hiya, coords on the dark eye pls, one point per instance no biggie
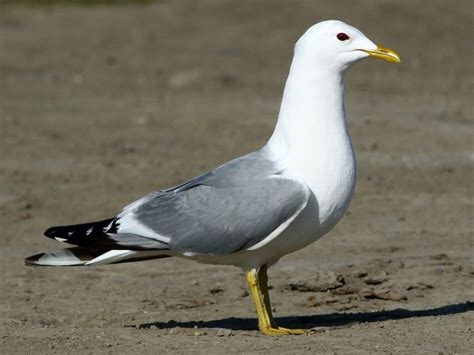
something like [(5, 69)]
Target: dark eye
[(342, 37)]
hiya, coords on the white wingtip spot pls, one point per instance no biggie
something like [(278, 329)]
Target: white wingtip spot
[(108, 226)]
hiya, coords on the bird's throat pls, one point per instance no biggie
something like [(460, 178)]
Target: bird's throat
[(312, 118)]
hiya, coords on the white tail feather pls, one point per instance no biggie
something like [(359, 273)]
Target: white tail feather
[(117, 256), (77, 256), (112, 256)]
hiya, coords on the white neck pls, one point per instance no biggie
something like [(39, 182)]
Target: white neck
[(312, 108), (311, 140)]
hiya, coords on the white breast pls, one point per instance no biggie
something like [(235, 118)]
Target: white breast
[(331, 176)]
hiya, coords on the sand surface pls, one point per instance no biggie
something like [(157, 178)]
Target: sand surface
[(101, 105)]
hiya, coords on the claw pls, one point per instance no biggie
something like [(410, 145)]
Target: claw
[(281, 331)]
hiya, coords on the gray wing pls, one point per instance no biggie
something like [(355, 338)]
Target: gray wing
[(220, 220), (230, 208)]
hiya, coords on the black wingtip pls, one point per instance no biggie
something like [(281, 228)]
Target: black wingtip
[(51, 232), (71, 233)]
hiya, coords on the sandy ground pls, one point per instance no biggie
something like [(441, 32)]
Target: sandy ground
[(100, 105)]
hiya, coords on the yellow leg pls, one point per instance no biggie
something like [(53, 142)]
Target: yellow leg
[(257, 282), (262, 279)]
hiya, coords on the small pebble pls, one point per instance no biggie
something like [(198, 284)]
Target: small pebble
[(224, 332)]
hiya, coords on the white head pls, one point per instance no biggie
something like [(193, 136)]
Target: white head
[(336, 45)]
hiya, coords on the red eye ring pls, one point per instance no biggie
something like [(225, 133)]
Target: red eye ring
[(342, 36)]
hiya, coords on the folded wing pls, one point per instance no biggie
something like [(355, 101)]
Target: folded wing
[(219, 220)]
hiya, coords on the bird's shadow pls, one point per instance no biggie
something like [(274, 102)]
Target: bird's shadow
[(323, 320)]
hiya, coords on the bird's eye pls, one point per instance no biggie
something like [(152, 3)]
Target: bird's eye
[(342, 36)]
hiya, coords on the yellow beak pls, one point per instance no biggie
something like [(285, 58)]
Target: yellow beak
[(384, 54)]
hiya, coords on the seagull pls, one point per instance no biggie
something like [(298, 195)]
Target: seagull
[(252, 210)]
